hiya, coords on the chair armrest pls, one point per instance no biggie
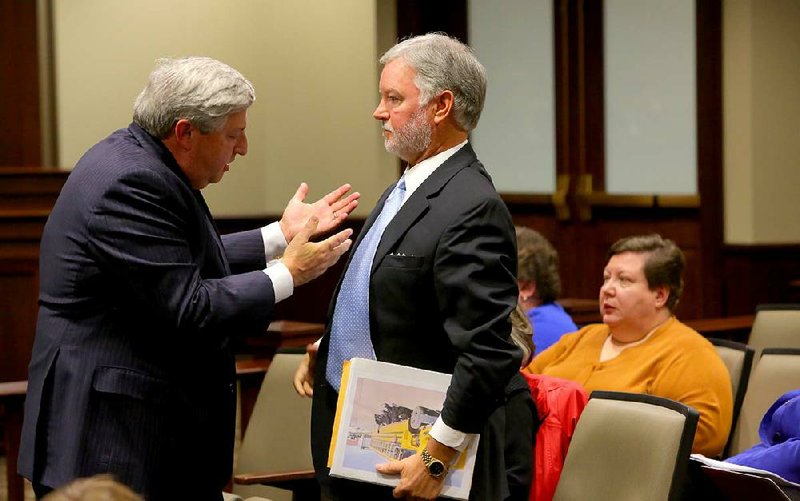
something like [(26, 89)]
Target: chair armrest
[(274, 479)]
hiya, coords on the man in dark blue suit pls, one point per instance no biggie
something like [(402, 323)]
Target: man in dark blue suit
[(431, 284), (132, 372)]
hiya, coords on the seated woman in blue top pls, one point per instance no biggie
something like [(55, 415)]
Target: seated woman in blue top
[(539, 287)]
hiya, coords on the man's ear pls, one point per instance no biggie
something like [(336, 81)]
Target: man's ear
[(443, 106), (183, 131), (661, 295)]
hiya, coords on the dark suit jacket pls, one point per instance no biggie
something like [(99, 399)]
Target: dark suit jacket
[(131, 370), (442, 288)]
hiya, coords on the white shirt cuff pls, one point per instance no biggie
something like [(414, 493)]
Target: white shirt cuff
[(448, 436), (274, 240), (282, 281)]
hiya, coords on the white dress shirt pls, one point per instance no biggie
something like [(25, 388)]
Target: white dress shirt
[(274, 244)]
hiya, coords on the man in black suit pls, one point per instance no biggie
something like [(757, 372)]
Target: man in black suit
[(436, 289), (132, 371)]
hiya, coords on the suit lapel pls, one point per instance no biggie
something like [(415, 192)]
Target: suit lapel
[(419, 202)]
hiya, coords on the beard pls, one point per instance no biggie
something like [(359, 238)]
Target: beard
[(411, 139)]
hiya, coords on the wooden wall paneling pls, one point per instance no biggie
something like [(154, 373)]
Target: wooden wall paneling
[(593, 90), (19, 281), (26, 197), (30, 188), (738, 286), (20, 233), (709, 151), (757, 274), (417, 17), (20, 142)]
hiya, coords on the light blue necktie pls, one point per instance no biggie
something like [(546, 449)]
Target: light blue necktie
[(350, 336)]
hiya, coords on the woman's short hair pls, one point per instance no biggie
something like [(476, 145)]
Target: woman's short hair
[(443, 63), (663, 266), (538, 263), (199, 89)]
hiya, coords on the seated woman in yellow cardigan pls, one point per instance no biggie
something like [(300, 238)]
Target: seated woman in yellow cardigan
[(641, 347)]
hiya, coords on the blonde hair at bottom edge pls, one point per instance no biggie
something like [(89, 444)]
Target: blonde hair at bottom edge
[(522, 334), (96, 488)]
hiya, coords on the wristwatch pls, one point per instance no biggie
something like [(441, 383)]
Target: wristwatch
[(436, 468)]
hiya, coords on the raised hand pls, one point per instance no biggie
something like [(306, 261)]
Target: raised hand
[(330, 210), (308, 260)]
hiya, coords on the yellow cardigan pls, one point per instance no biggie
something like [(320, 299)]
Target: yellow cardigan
[(675, 362)]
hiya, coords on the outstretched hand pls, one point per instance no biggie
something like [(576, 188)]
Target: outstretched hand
[(330, 210), (307, 260)]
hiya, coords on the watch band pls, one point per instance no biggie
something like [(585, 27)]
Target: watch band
[(436, 468)]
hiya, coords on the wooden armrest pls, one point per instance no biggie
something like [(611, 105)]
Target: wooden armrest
[(274, 479), (284, 333), (252, 366), (13, 389)]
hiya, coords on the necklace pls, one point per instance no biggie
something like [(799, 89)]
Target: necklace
[(617, 342)]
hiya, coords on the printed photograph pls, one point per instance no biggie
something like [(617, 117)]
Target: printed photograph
[(381, 430)]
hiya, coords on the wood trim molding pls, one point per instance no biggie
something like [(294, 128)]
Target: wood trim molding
[(30, 188)]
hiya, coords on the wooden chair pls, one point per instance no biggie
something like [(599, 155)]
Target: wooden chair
[(775, 326), (738, 358), (777, 372), (628, 446)]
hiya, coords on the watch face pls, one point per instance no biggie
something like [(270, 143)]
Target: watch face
[(436, 468)]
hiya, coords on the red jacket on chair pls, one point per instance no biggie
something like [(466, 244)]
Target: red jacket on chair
[(559, 403)]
